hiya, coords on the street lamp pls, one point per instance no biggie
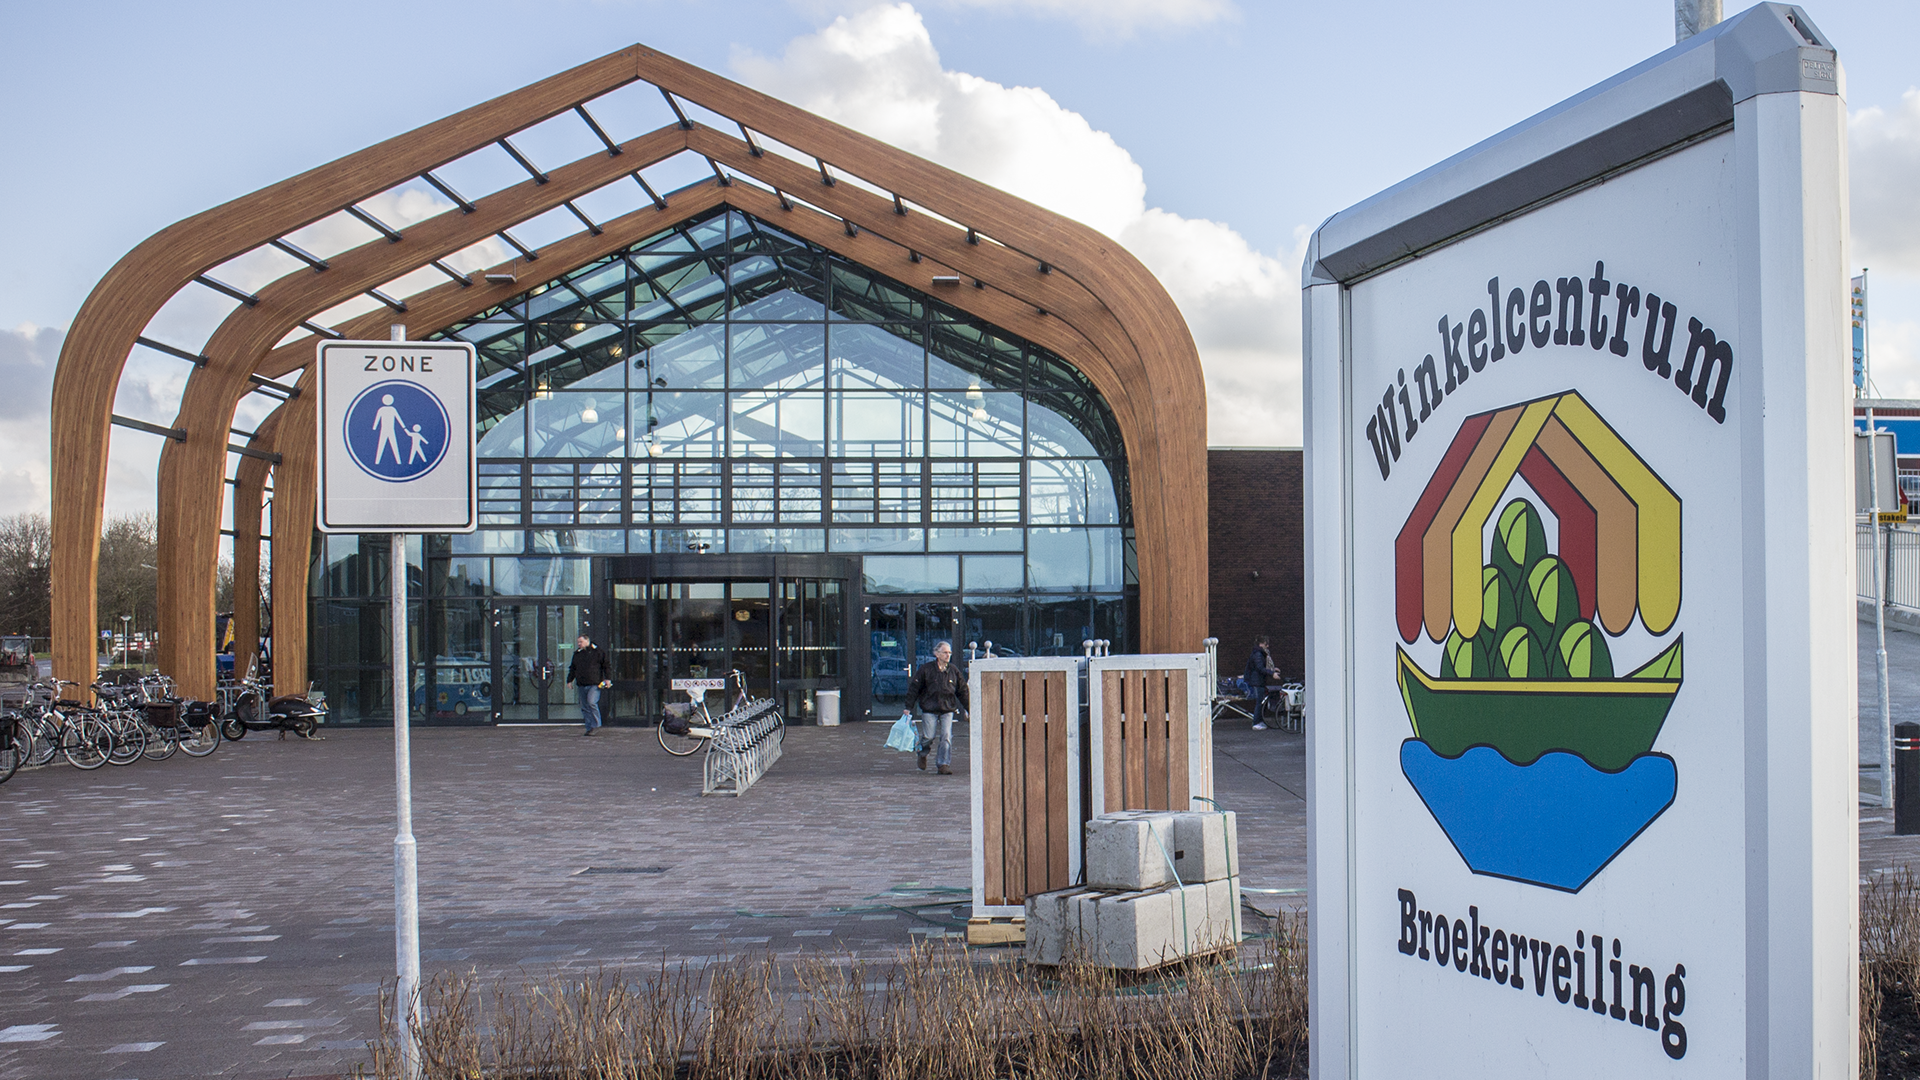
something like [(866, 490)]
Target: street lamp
[(126, 638)]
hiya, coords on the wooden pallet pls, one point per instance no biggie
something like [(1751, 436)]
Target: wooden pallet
[(1000, 931)]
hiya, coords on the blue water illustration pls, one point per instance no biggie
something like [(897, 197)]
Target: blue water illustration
[(1555, 822)]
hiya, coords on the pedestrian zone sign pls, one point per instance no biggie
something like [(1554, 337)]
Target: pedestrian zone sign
[(396, 437)]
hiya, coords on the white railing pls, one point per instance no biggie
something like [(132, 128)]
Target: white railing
[(1899, 568)]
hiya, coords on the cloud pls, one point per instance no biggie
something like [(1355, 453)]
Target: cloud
[(1885, 168), (1114, 17), (878, 72), (28, 354)]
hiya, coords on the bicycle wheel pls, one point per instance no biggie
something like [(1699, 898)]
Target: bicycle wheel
[(85, 743), (201, 740), (161, 742), (46, 740), (129, 741), (678, 745)]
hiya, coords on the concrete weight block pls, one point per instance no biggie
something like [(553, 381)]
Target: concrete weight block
[(1222, 925), (1131, 931), (1206, 847), (1053, 925), (1130, 850)]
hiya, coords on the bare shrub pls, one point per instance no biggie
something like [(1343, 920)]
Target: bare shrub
[(933, 1012)]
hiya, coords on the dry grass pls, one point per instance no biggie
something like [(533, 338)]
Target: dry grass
[(1889, 973), (929, 1014)]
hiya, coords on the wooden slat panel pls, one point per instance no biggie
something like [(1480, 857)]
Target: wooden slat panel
[(1039, 823), (1155, 750), (1179, 784), (1062, 831), (992, 805), (1136, 740), (1013, 762), (1112, 726)]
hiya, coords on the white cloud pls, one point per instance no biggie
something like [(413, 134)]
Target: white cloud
[(28, 354), (1117, 17), (1885, 167), (878, 72)]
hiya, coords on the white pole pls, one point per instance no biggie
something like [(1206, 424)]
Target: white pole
[(1879, 574), (406, 868)]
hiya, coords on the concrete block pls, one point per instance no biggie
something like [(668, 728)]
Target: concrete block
[(1222, 925), (1053, 926), (1205, 845), (1129, 850), (1134, 931)]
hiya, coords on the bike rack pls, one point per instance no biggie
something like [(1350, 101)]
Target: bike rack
[(745, 744)]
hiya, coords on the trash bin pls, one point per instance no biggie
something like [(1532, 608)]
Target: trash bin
[(827, 707)]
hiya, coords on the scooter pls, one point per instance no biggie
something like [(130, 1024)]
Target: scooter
[(293, 712)]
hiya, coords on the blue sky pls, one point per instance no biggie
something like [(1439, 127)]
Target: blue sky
[(1234, 127)]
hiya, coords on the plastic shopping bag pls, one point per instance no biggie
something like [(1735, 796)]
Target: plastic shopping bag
[(905, 734)]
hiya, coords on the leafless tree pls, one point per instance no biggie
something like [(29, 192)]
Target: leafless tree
[(26, 553)]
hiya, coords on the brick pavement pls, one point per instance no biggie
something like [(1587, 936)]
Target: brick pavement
[(232, 916)]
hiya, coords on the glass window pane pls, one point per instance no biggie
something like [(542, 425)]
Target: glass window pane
[(986, 539), (912, 573), (778, 423), (487, 541), (877, 492), (775, 541), (579, 425), (876, 540), (994, 573), (693, 360), (1059, 626), (503, 423), (877, 357), (995, 620), (1072, 425), (974, 423), (966, 354), (1071, 493), (882, 424), (680, 424), (460, 577), (1076, 559), (571, 541), (689, 541), (542, 577), (777, 356)]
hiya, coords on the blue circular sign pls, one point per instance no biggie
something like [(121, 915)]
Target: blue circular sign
[(396, 430)]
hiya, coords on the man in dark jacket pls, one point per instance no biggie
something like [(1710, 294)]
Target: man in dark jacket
[(588, 671), (937, 692), (1260, 672)]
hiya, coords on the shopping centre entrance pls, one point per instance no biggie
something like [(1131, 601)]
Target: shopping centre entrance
[(902, 632)]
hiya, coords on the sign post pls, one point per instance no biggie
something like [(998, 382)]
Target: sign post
[(1580, 610), (397, 454)]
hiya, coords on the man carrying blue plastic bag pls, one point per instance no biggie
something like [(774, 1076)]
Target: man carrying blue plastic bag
[(937, 694)]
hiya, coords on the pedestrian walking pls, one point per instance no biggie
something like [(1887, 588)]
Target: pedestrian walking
[(938, 692), (1260, 671), (588, 672)]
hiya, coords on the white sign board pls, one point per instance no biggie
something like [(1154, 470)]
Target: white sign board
[(699, 684), (1581, 637), (396, 437)]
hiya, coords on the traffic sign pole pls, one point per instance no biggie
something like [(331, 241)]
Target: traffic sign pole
[(406, 866)]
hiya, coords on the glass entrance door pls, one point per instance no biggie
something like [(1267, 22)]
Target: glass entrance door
[(904, 632), (533, 644)]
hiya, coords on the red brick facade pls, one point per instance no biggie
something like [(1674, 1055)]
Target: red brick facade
[(1256, 562)]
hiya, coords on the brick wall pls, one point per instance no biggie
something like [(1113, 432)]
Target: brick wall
[(1256, 578)]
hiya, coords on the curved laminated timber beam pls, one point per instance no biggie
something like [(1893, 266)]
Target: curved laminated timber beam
[(1050, 280), (133, 291), (249, 490)]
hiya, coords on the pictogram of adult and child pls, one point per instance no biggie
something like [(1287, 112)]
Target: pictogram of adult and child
[(396, 430)]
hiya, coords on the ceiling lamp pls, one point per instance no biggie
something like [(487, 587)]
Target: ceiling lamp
[(589, 415)]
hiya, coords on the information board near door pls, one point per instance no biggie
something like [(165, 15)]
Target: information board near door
[(1025, 779), (1152, 732)]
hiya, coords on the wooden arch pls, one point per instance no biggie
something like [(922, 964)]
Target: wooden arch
[(1042, 276)]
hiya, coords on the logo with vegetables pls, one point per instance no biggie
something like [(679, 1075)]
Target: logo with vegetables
[(1531, 749)]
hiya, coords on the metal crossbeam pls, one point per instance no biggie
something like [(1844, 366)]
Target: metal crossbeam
[(248, 451), (196, 359), (291, 392), (592, 226), (223, 288), (312, 327), (397, 305), (174, 433), (513, 152), (374, 223), (297, 252), (446, 189), (526, 252), (464, 279), (658, 202), (685, 124), (613, 148)]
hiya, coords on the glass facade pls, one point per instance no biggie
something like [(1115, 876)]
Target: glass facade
[(724, 389)]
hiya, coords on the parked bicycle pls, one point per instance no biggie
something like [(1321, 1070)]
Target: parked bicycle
[(688, 725)]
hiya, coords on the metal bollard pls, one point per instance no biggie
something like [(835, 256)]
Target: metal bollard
[(1906, 779)]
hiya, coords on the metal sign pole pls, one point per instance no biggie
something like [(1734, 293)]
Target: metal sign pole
[(406, 869)]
